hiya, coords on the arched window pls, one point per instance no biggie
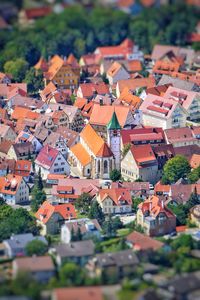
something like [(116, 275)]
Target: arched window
[(105, 166), (98, 166)]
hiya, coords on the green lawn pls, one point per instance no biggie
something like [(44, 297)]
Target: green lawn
[(80, 216), (123, 232)]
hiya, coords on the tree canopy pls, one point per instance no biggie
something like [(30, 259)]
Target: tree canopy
[(175, 168), (36, 247), (15, 221)]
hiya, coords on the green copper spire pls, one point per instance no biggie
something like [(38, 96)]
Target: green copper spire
[(114, 123)]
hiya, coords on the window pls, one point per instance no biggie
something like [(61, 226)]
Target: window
[(105, 165), (99, 167)]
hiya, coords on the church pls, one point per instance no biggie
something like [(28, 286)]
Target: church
[(95, 157)]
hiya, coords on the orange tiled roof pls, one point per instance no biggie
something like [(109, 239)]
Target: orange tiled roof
[(133, 84), (114, 69), (129, 98), (134, 66), (165, 67), (155, 206), (55, 65), (92, 139), (82, 155), (104, 151), (161, 187), (44, 213), (116, 194), (41, 65), (20, 113), (9, 185), (80, 102), (79, 293), (101, 115)]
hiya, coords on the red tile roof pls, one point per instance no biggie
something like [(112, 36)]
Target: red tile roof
[(47, 156), (78, 293), (116, 194), (142, 242), (155, 206), (45, 212), (23, 167), (38, 12), (143, 154)]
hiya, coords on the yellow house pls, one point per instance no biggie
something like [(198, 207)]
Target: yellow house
[(64, 73)]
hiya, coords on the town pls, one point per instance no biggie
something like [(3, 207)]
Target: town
[(100, 150)]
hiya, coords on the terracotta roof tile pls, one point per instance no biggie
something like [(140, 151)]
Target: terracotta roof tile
[(78, 293), (92, 139), (101, 115), (45, 212), (82, 155), (143, 242)]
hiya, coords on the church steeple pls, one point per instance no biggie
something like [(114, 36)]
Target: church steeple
[(114, 139), (114, 123)]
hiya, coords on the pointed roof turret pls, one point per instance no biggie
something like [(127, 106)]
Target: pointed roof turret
[(114, 123)]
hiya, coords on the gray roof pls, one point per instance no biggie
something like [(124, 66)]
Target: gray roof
[(21, 240), (76, 249), (121, 258), (176, 82), (184, 284)]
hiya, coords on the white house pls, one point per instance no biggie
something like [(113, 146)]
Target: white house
[(50, 160), (13, 189), (140, 163), (161, 112), (115, 200), (88, 228)]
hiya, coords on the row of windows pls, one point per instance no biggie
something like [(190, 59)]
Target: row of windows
[(127, 172), (59, 170)]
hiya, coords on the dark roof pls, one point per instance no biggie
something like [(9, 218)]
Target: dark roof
[(76, 249), (121, 258), (184, 284), (187, 151), (23, 148), (21, 240)]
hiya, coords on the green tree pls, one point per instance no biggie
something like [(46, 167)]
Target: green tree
[(96, 212), (34, 80), (40, 185), (136, 202), (117, 223), (71, 274), (83, 203), (180, 213), (115, 175), (175, 168), (36, 247), (17, 68), (38, 197), (108, 228), (194, 175), (15, 221)]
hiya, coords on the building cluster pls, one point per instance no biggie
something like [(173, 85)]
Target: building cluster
[(95, 117)]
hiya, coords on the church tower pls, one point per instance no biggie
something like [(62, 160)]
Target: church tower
[(114, 139)]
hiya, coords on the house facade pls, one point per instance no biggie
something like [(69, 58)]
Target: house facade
[(50, 160), (115, 200), (14, 190), (140, 163), (155, 218)]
